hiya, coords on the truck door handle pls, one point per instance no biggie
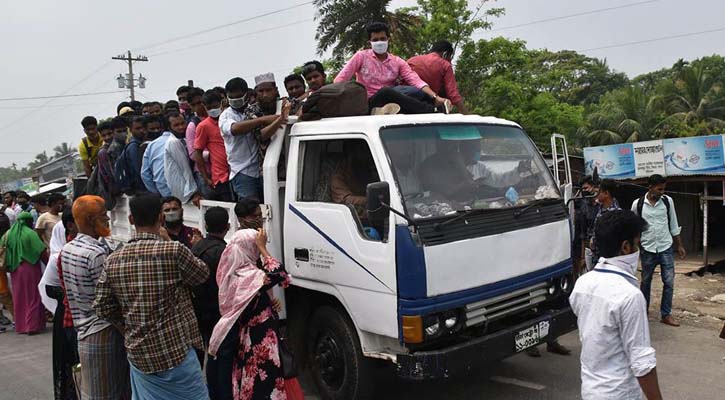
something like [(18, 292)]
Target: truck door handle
[(302, 254)]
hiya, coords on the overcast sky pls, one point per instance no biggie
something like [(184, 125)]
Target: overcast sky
[(51, 48)]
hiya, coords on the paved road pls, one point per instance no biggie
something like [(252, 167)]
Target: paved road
[(690, 366)]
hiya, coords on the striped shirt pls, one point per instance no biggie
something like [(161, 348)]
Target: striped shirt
[(81, 264), (147, 286)]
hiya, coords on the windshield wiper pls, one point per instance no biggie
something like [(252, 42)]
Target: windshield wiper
[(529, 206), (463, 214)]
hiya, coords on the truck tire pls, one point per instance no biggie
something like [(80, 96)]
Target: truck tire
[(336, 363)]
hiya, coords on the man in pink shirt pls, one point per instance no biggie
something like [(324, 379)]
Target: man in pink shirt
[(435, 68), (380, 72)]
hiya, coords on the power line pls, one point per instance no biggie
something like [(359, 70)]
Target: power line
[(580, 14), (211, 42), (60, 96), (52, 106), (659, 39), (188, 35)]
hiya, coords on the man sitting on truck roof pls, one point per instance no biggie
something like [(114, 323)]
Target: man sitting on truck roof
[(314, 74), (379, 71), (241, 146), (435, 68)]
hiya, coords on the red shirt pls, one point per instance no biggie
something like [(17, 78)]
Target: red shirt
[(209, 137), (437, 72)]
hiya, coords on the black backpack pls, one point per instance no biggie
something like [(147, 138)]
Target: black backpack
[(4, 221), (344, 99), (640, 204)]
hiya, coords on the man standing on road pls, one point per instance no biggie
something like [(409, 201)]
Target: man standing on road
[(101, 351), (662, 232), (617, 359), (146, 286)]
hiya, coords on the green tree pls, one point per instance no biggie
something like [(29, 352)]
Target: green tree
[(696, 98), (342, 24), (63, 149), (40, 159)]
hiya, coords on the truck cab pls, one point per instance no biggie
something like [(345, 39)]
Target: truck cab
[(433, 242)]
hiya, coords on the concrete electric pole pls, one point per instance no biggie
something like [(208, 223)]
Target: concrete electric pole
[(129, 81)]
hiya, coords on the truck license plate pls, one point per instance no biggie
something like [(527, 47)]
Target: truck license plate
[(531, 336)]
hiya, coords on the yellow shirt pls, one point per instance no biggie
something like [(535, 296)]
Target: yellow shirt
[(87, 146)]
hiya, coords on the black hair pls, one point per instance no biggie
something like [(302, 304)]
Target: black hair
[(171, 104), (169, 115), (210, 97), (615, 227), (23, 194), (220, 90), (12, 193), (608, 185), (311, 66), (183, 89), (67, 216), (149, 119), (121, 105), (442, 46), (194, 92), (40, 200), (105, 126), (294, 77), (137, 119), (656, 179), (54, 198), (147, 104), (157, 103), (136, 105), (216, 219), (586, 179), (245, 207), (119, 122), (171, 199), (236, 85), (145, 209), (88, 121), (377, 27)]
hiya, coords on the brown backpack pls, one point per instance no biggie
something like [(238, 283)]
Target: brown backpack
[(344, 99)]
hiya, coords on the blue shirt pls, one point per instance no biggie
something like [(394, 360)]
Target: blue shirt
[(152, 168), (658, 236)]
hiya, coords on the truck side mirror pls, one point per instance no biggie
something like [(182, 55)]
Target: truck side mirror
[(378, 207)]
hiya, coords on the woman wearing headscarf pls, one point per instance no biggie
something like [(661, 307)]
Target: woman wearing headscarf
[(23, 255), (244, 299)]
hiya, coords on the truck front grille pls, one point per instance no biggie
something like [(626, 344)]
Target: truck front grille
[(506, 304)]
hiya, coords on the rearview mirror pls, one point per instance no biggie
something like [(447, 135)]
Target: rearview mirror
[(378, 196)]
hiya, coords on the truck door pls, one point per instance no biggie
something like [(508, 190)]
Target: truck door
[(562, 169), (329, 244)]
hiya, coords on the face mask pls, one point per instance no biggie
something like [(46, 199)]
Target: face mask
[(627, 262), (214, 112), (238, 104), (379, 47), (172, 216), (24, 206)]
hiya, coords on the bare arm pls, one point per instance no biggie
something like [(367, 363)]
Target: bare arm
[(248, 125), (199, 160), (650, 385), (87, 168), (269, 130)]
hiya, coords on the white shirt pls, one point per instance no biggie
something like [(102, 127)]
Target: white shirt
[(11, 215), (177, 170), (613, 328), (50, 275), (242, 150), (658, 236)]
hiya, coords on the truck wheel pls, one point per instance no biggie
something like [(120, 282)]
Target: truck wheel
[(336, 362)]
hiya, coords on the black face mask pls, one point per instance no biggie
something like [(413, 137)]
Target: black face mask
[(25, 206)]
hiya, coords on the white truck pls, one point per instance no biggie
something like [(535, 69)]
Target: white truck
[(455, 252)]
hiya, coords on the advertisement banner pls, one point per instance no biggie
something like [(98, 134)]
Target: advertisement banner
[(694, 155), (615, 161), (649, 158)]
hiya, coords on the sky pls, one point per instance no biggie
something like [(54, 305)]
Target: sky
[(51, 48)]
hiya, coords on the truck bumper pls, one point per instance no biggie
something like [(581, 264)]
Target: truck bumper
[(486, 349)]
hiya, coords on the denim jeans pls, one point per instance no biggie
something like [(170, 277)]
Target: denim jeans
[(666, 261), (404, 96), (414, 92), (201, 185), (247, 186)]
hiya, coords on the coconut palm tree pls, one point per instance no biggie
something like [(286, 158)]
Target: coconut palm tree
[(696, 97), (63, 149), (342, 24), (40, 159)]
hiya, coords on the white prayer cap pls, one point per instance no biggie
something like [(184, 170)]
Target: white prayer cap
[(264, 78)]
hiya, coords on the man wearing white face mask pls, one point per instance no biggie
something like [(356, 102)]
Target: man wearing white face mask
[(617, 359), (379, 71), (209, 139), (174, 223)]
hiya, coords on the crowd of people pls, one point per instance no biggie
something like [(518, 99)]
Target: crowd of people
[(211, 144)]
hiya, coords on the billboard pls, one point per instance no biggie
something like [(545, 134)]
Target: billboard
[(615, 161), (694, 155), (649, 158)]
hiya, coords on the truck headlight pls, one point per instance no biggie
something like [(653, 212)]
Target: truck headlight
[(451, 321), (565, 283), (432, 326)]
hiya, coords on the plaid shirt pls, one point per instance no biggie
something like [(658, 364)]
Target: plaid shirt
[(147, 286)]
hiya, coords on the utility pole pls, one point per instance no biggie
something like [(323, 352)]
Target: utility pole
[(128, 82)]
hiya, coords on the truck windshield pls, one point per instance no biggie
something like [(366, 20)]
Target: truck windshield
[(443, 169)]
